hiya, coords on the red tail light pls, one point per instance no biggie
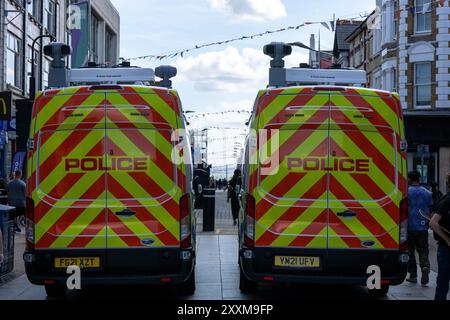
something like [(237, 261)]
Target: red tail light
[(30, 225), (249, 225), (185, 223), (404, 225)]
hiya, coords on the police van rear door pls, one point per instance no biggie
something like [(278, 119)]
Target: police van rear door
[(144, 185), (365, 171)]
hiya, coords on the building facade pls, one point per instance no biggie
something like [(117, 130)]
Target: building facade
[(414, 61), (423, 62), (23, 22)]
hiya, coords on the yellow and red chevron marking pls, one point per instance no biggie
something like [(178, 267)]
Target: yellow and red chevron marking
[(301, 208), (70, 123)]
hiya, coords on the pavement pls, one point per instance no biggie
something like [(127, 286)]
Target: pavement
[(217, 276)]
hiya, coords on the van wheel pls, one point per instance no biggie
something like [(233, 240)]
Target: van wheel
[(379, 293), (187, 288), (55, 291), (246, 285)]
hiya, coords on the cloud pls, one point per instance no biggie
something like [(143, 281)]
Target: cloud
[(230, 70), (253, 10)]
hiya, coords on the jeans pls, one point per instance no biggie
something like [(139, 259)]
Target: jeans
[(418, 240), (443, 278)]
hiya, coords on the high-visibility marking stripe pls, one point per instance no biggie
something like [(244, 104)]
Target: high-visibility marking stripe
[(343, 232), (340, 192), (288, 183), (305, 144), (76, 226), (71, 189), (316, 120), (265, 100), (90, 232), (315, 228), (148, 184), (368, 148), (65, 219), (122, 231), (276, 213), (377, 193), (161, 103), (53, 170), (127, 141), (167, 238), (300, 224)]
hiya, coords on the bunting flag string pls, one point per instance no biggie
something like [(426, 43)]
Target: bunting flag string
[(330, 25), (206, 114)]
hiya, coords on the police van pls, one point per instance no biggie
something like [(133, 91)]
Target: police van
[(324, 181), (109, 188)]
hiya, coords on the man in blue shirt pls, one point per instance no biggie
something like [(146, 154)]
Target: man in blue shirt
[(419, 201)]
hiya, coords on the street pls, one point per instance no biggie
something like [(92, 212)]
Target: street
[(217, 276)]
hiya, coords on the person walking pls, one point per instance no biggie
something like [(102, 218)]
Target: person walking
[(17, 196), (419, 202), (234, 189), (437, 194), (440, 224)]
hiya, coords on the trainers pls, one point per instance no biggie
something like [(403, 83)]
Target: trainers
[(425, 276), (412, 280)]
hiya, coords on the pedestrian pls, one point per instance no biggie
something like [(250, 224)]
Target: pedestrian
[(437, 194), (17, 197), (440, 223), (420, 201), (234, 189)]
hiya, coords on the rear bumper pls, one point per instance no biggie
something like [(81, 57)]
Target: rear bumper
[(121, 267), (337, 267)]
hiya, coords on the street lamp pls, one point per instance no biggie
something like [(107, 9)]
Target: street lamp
[(33, 61)]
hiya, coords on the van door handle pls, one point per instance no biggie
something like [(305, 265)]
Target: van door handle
[(347, 214), (126, 213)]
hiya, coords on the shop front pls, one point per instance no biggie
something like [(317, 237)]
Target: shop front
[(428, 135)]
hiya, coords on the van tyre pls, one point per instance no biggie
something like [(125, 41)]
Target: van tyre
[(187, 288), (380, 292), (247, 286), (55, 291)]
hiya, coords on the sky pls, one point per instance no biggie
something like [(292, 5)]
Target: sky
[(225, 77)]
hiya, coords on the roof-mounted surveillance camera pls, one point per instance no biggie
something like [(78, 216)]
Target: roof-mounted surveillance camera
[(58, 74), (57, 51), (166, 73), (277, 51)]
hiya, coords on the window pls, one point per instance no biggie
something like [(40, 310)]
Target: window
[(34, 8), (423, 16), (394, 80), (109, 47), (422, 84), (50, 16), (29, 62), (13, 65), (396, 20), (94, 38)]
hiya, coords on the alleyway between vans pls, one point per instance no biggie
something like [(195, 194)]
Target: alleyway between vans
[(217, 275)]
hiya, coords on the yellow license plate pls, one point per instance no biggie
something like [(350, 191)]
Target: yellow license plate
[(82, 263), (298, 262)]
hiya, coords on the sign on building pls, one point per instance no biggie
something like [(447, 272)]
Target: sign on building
[(5, 105)]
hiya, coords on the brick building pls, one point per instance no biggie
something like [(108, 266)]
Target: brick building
[(423, 64), (408, 52)]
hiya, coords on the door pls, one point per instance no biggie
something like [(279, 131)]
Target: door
[(291, 195), (365, 169), (67, 178), (143, 189)]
